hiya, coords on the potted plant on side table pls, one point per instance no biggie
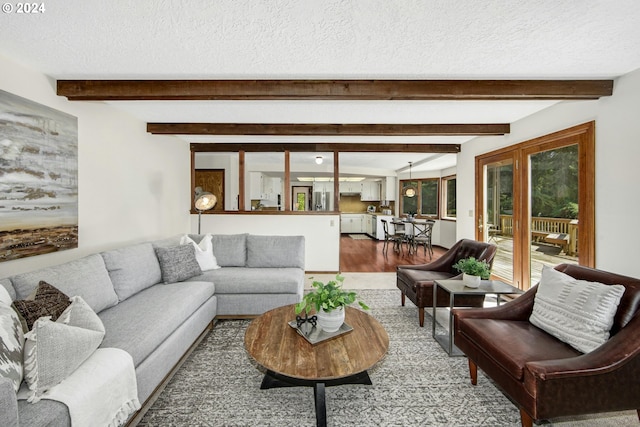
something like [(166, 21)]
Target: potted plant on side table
[(472, 271), (329, 301)]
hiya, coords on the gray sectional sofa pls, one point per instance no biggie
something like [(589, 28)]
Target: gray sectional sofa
[(159, 323)]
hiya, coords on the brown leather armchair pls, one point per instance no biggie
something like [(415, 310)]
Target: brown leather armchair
[(416, 281), (545, 377)]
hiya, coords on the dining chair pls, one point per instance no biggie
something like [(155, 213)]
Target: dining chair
[(389, 237), (422, 236)]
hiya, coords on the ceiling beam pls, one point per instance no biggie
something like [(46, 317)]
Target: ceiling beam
[(423, 90), (327, 129), (324, 148)]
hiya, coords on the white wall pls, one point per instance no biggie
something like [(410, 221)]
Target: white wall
[(617, 171), (321, 232), (132, 186)]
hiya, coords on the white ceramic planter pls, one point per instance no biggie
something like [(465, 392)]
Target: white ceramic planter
[(332, 320), (470, 281)]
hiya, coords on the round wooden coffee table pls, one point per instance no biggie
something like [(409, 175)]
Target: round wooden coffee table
[(290, 360)]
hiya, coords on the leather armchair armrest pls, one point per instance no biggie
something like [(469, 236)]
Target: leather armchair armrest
[(518, 309), (610, 356)]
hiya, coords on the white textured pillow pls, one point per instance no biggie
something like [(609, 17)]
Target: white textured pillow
[(5, 298), (204, 252), (577, 312), (54, 350), (11, 345)]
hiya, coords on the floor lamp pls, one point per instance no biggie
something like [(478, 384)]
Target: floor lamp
[(203, 202)]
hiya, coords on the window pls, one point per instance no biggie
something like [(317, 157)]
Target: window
[(425, 202), (449, 197)]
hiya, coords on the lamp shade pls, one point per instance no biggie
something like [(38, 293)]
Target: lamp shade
[(205, 201)]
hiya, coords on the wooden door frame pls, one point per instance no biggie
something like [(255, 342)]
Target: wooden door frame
[(584, 136)]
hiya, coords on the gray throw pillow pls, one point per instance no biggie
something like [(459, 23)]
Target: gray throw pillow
[(11, 345), (178, 263), (577, 312), (54, 350)]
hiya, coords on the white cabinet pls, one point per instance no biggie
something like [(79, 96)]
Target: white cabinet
[(255, 185), (370, 191), (264, 187), (350, 187), (352, 223), (389, 188), (369, 225)]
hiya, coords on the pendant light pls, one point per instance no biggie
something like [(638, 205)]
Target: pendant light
[(410, 190)]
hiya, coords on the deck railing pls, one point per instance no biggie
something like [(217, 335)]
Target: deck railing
[(545, 228)]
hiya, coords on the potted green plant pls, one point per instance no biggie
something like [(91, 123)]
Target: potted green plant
[(473, 270), (328, 300)]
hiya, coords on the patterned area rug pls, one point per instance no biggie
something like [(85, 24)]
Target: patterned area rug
[(416, 384)]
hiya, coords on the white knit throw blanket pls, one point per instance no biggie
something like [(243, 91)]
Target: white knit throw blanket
[(102, 392)]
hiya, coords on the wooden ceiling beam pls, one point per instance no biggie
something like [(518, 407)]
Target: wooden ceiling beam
[(422, 90), (327, 129), (324, 148)]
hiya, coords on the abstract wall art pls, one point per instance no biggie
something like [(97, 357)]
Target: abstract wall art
[(38, 179)]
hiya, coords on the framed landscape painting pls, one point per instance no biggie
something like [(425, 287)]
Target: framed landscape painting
[(38, 179)]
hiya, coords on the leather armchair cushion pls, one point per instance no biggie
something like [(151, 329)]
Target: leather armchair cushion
[(511, 344), (412, 277)]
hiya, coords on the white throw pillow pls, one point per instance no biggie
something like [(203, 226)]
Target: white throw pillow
[(204, 252), (11, 345), (577, 312), (54, 350), (5, 298)]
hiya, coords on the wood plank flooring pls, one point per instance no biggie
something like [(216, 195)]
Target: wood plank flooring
[(366, 256)]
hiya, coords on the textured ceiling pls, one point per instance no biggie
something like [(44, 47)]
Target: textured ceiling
[(328, 39)]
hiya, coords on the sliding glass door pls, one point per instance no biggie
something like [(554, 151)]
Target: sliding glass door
[(535, 201)]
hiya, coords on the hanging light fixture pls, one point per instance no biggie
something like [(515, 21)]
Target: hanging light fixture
[(410, 190), (319, 160)]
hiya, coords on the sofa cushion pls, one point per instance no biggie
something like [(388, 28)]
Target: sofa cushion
[(11, 345), (141, 323), (204, 252), (245, 280), (54, 350), (47, 301), (132, 269), (87, 277), (514, 343), (577, 312), (275, 251), (230, 249), (178, 263)]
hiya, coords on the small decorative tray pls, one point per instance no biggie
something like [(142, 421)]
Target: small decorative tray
[(317, 335)]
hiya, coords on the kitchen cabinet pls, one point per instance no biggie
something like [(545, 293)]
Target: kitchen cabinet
[(350, 187), (389, 188), (369, 225), (370, 191), (263, 187), (352, 223)]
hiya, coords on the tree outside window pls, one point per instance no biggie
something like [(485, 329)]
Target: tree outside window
[(425, 202)]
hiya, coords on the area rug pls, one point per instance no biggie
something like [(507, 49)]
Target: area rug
[(359, 237), (416, 384)]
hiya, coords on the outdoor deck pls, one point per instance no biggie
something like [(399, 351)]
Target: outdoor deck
[(542, 253)]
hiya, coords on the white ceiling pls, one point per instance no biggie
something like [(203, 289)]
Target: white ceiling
[(329, 39)]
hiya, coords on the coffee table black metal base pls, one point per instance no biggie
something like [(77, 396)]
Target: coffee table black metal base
[(274, 380)]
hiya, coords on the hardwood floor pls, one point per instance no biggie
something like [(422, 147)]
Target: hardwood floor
[(366, 256)]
